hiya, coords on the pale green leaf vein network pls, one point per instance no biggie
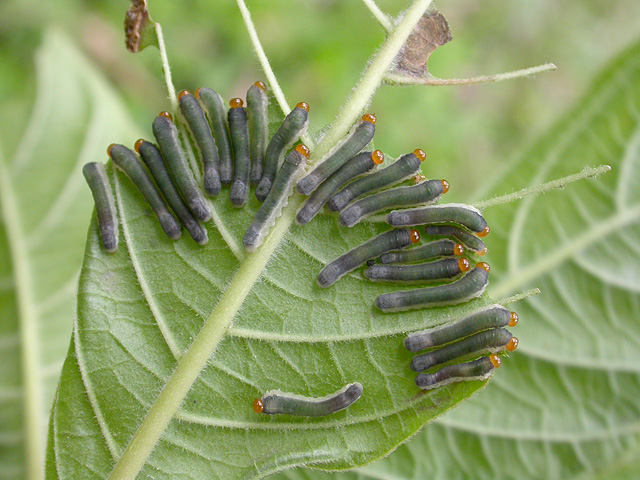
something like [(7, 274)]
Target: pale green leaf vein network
[(93, 401), (32, 388), (214, 329), (517, 235), (67, 194), (144, 286)]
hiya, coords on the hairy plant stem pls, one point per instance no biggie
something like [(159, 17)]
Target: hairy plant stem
[(166, 69), (403, 80), (558, 184), (191, 364), (383, 18)]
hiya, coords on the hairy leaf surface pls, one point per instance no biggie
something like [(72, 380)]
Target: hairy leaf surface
[(567, 405), (139, 310)]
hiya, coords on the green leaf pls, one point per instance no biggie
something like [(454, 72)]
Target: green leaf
[(567, 405), (146, 314), (44, 204)]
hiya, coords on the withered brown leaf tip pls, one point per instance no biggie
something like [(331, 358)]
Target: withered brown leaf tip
[(134, 22), (431, 32)]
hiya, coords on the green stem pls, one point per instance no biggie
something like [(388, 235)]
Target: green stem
[(266, 66), (166, 69), (32, 394), (214, 329), (382, 17), (520, 296), (558, 184), (399, 80), (371, 78)]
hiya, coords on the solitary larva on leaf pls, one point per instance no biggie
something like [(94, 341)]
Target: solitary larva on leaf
[(276, 402)]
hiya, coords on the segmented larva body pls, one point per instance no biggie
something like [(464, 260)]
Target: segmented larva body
[(420, 194), (152, 158), (404, 167), (168, 140), (359, 138), (479, 369), (239, 130), (292, 128), (472, 285), (201, 132), (257, 106), (98, 181), (487, 341), (277, 199), (438, 270), (391, 240), (469, 240), (276, 402), (461, 214), (361, 163), (439, 248), (492, 316), (129, 163), (216, 112)]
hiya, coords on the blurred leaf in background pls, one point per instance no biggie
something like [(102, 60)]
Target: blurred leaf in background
[(466, 131)]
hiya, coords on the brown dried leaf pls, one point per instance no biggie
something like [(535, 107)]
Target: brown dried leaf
[(138, 27), (431, 32)]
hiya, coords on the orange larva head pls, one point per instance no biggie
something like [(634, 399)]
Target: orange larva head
[(260, 85), (138, 145), (414, 236), (464, 265), (458, 249), (377, 157), (183, 93), (513, 344), (513, 319), (166, 115), (303, 150), (495, 360), (445, 186), (483, 265), (420, 154), (303, 105), (484, 232), (369, 117), (258, 406), (198, 92), (109, 149), (236, 103)]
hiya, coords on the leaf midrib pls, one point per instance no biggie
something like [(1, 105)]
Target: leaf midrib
[(28, 324)]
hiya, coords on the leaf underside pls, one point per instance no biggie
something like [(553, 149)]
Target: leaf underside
[(567, 405), (139, 309)]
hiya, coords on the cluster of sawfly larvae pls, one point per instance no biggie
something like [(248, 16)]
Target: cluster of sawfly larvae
[(235, 149)]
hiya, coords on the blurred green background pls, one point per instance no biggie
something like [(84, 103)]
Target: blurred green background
[(318, 49)]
